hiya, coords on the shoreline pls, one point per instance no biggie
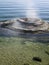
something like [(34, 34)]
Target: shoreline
[(26, 25), (15, 28)]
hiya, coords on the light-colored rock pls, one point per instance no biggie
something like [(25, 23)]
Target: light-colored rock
[(22, 23)]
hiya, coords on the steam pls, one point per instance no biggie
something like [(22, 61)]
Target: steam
[(31, 9)]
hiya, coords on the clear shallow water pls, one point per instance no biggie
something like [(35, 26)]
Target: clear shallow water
[(11, 9)]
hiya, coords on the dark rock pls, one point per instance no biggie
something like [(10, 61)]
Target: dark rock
[(6, 24), (47, 52), (37, 59)]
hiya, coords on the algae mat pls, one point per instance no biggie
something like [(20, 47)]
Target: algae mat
[(20, 51)]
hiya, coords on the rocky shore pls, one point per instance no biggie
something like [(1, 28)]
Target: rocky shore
[(27, 24), (36, 29)]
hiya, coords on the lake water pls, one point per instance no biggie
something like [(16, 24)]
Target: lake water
[(10, 9)]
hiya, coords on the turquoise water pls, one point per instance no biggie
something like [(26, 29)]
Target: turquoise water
[(18, 8)]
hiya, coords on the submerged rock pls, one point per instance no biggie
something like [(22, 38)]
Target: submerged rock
[(37, 59), (47, 52)]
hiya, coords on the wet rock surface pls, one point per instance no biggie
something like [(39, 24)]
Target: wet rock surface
[(25, 27), (26, 24)]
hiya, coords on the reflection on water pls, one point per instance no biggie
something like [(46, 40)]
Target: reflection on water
[(31, 9), (17, 8)]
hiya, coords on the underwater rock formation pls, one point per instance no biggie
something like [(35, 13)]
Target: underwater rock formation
[(37, 59)]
